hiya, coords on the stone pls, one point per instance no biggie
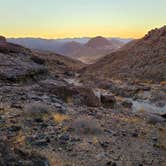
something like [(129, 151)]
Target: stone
[(41, 143), (69, 73), (154, 139), (15, 128), (134, 134), (108, 100), (154, 119), (127, 104), (110, 163), (38, 120), (64, 137), (104, 144), (163, 116)]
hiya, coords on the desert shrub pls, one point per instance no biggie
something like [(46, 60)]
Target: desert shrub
[(86, 126), (36, 111)]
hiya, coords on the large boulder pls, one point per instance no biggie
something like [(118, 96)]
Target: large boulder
[(71, 93), (108, 100)]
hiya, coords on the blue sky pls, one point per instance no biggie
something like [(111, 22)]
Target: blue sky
[(76, 18)]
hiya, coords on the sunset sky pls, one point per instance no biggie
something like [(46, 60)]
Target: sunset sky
[(78, 18)]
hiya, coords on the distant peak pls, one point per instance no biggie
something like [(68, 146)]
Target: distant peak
[(98, 41)]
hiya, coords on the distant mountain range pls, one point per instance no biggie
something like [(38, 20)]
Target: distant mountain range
[(84, 49)]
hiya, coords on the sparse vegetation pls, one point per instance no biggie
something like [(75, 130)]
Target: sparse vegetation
[(86, 126), (37, 111), (58, 118)]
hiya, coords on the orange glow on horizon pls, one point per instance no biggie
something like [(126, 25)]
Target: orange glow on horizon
[(77, 34)]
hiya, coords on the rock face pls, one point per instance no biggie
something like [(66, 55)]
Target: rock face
[(143, 59)]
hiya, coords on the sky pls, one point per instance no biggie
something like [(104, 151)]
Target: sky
[(80, 18)]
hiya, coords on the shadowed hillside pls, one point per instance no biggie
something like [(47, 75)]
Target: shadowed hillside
[(143, 59)]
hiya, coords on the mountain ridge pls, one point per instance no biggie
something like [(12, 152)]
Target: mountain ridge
[(140, 59)]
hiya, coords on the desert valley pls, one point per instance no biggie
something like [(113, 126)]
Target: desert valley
[(88, 102)]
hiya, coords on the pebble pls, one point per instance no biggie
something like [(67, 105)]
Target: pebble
[(15, 128), (104, 144)]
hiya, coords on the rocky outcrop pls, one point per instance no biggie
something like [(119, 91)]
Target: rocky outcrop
[(70, 93), (108, 100)]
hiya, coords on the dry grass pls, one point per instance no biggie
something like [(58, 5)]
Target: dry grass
[(59, 118), (20, 139)]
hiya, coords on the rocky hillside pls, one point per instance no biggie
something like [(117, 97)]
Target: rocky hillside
[(143, 59), (18, 63), (49, 118)]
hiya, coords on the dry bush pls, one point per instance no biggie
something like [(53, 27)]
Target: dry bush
[(86, 126), (37, 110)]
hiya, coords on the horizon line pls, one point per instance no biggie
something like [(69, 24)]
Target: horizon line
[(59, 38)]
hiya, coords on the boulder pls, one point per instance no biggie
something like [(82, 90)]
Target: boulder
[(163, 116), (108, 100), (127, 104), (71, 93)]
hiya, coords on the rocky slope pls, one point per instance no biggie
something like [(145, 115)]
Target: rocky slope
[(18, 63), (49, 118), (143, 59)]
